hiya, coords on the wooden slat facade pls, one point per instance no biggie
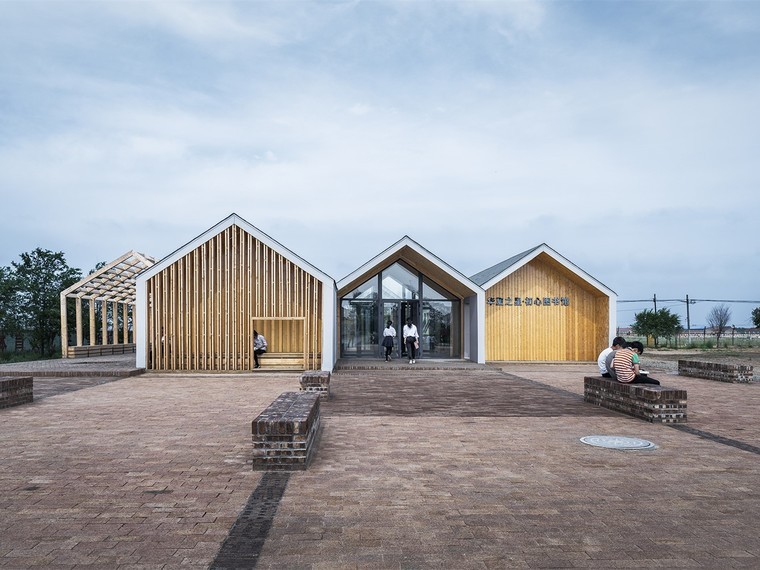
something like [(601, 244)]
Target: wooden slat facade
[(203, 308), (577, 331)]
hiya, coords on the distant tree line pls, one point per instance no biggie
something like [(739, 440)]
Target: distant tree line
[(664, 324), (30, 304)]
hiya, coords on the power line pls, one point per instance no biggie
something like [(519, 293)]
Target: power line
[(690, 300)]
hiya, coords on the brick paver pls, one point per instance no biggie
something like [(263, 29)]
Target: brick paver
[(469, 468)]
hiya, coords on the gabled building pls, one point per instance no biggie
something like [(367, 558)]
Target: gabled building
[(198, 307), (406, 281), (540, 306)]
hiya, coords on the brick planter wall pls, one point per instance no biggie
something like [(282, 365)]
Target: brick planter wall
[(646, 401), (285, 433), (716, 371), (16, 391)]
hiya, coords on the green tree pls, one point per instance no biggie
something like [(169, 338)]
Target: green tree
[(756, 317), (660, 323), (717, 319), (41, 276), (9, 318)]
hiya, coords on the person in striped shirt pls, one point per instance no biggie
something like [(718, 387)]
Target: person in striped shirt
[(626, 365)]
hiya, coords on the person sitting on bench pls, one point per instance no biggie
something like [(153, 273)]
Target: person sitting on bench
[(617, 343), (259, 347), (626, 365)]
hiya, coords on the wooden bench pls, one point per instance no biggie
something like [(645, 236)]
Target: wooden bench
[(646, 401), (716, 371), (16, 390), (285, 433), (99, 350), (285, 361)]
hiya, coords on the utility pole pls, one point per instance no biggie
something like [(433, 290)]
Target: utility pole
[(654, 299), (688, 321)]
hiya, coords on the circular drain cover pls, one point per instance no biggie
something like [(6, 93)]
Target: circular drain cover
[(618, 442)]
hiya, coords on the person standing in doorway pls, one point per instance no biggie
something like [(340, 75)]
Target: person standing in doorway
[(259, 347), (412, 340), (389, 333)]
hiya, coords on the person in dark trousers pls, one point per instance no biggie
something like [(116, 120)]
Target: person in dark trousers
[(411, 339), (259, 347)]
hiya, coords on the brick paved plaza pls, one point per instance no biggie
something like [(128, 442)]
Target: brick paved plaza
[(466, 467)]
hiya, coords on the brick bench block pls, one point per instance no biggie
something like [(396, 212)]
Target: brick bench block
[(16, 390), (316, 381), (646, 401), (716, 371), (285, 433)]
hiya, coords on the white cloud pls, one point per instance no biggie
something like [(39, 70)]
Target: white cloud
[(359, 123)]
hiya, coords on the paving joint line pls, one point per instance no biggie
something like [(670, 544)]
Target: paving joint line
[(242, 547)]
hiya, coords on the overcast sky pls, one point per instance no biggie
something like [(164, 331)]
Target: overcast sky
[(622, 134)]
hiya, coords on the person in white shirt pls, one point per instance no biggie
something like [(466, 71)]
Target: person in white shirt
[(259, 347), (389, 333), (617, 343), (411, 339)]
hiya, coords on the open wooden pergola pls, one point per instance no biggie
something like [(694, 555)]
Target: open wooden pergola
[(109, 291)]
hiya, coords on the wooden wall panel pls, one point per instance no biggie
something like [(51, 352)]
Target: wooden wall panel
[(577, 331), (204, 307)]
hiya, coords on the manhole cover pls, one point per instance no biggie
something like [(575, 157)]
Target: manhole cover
[(618, 442)]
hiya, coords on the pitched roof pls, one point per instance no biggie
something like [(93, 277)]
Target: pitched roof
[(114, 282), (496, 273), (411, 251), (234, 219), (487, 274)]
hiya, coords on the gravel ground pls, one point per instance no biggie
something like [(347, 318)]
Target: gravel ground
[(668, 359)]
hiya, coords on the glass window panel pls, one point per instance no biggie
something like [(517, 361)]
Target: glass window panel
[(400, 283), (358, 331), (435, 292), (367, 290)]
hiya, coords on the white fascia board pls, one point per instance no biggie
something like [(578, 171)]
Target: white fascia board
[(141, 331), (481, 341), (234, 219), (329, 334), (543, 248), (613, 317)]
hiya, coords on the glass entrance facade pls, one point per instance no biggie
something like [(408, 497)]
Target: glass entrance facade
[(399, 293)]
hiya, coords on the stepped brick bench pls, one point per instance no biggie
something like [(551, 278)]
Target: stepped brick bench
[(316, 381), (716, 371), (650, 402), (285, 433), (16, 390)]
